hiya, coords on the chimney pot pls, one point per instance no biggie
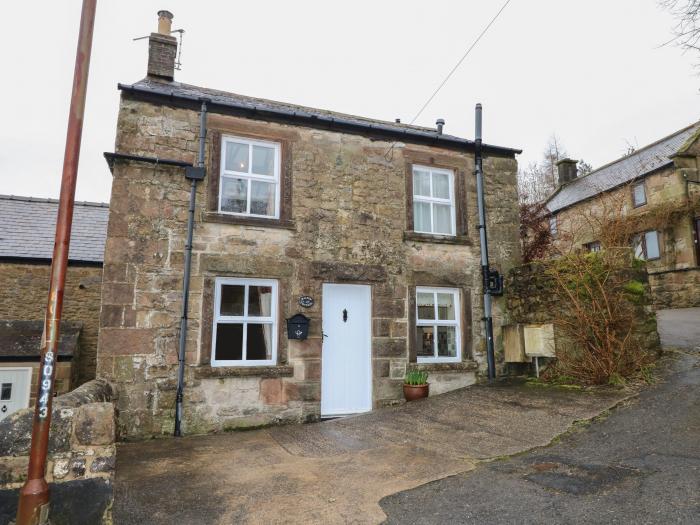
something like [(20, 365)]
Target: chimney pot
[(567, 170), (162, 49), (165, 22), (440, 124)]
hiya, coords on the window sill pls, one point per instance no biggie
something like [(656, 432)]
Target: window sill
[(210, 216), (437, 239), (464, 366), (211, 372)]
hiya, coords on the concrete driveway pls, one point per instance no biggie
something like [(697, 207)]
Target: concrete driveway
[(679, 328), (640, 465), (337, 471)]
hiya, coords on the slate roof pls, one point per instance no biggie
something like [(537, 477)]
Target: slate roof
[(311, 116), (22, 339), (27, 229), (638, 164)]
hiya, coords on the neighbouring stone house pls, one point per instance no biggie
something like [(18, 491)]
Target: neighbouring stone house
[(366, 227), (27, 227), (658, 187)]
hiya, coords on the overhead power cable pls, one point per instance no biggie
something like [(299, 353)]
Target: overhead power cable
[(456, 66), (459, 63)]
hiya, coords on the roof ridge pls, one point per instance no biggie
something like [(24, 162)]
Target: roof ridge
[(51, 201), (640, 150)]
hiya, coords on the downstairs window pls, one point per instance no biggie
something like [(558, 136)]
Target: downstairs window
[(437, 325), (245, 322)]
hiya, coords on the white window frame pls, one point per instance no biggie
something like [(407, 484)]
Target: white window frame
[(435, 323), (636, 204), (244, 320), (436, 200), (249, 176)]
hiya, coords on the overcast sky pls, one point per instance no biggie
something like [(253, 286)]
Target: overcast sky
[(592, 72)]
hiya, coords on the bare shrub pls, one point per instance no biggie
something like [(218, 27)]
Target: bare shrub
[(600, 302)]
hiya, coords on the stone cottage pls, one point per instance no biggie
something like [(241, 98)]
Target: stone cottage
[(657, 186), (27, 227), (366, 227)]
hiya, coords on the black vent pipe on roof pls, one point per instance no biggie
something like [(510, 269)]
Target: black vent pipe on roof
[(194, 174)]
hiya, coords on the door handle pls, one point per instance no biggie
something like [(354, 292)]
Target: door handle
[(324, 334)]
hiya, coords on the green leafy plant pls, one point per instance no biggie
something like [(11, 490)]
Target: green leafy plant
[(416, 378)]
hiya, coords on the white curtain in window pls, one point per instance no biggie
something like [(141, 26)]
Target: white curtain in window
[(265, 311)]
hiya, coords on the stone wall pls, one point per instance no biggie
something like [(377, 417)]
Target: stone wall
[(345, 216), (23, 289), (530, 300), (81, 455), (676, 288)]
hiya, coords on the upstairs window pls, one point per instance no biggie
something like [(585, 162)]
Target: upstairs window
[(250, 176), (639, 195), (245, 322), (646, 246), (437, 325), (433, 201)]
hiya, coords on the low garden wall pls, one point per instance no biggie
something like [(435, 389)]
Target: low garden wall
[(676, 288), (80, 466), (530, 299)]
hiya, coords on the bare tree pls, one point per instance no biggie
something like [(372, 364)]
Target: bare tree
[(583, 168), (539, 179), (687, 29)]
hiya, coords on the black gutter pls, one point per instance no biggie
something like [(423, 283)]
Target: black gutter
[(44, 261), (111, 157), (314, 120), (61, 358)]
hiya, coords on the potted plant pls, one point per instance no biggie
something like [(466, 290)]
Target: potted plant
[(415, 385)]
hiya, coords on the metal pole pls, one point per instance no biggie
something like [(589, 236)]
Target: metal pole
[(186, 278), (483, 241), (33, 504)]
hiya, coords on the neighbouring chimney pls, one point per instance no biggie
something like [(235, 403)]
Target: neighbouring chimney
[(440, 124), (567, 170), (162, 49)]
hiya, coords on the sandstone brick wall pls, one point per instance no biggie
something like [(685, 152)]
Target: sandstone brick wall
[(676, 289), (347, 223), (23, 296)]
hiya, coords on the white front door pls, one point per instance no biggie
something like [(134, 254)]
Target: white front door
[(346, 369), (14, 390)]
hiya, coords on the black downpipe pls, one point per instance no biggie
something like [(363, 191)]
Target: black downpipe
[(483, 240), (186, 277)]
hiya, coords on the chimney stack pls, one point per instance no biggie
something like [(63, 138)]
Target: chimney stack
[(567, 170), (162, 49)]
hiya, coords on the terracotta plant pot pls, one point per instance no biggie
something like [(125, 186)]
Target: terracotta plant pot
[(413, 392)]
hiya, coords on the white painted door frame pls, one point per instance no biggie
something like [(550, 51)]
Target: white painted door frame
[(346, 358)]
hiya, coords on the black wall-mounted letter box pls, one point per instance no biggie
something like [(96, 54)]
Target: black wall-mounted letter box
[(298, 327)]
